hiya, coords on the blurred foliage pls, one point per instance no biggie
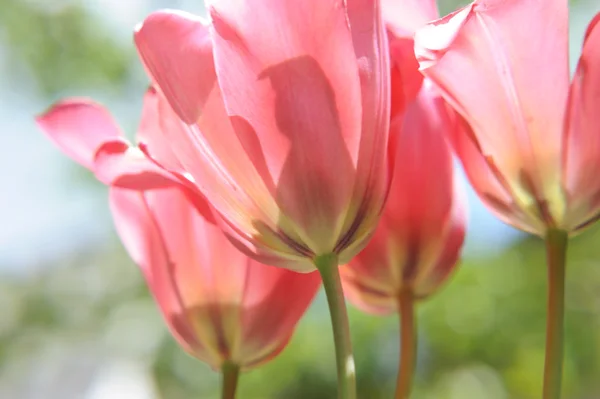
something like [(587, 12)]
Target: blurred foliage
[(481, 337), (64, 45)]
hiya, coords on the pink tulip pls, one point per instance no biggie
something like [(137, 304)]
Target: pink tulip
[(220, 305), (534, 148), (419, 238), (282, 110)]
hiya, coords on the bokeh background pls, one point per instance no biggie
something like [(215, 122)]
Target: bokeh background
[(76, 320)]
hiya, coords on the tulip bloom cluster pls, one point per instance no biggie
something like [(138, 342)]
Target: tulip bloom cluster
[(283, 138)]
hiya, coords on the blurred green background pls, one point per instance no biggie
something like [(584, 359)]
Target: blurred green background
[(76, 320)]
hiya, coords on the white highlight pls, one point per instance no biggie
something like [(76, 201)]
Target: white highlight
[(350, 366)]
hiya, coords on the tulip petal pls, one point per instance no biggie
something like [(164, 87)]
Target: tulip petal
[(372, 178), (423, 224), (408, 15), (119, 164), (581, 151), (429, 279), (197, 248), (176, 49), (416, 220), (489, 185), (219, 304), (79, 127), (274, 300), (150, 135), (145, 243), (210, 151), (406, 79), (218, 164), (421, 142), (494, 61), (293, 87)]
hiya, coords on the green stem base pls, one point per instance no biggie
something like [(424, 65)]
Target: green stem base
[(408, 344), (231, 374), (556, 250), (328, 268)]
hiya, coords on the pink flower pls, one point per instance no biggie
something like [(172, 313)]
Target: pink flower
[(418, 241), (535, 143), (282, 110), (220, 305)]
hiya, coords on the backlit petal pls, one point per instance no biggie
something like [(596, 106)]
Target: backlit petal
[(176, 49), (150, 135), (226, 165), (79, 127), (581, 154), (421, 232), (274, 300), (293, 87), (119, 164), (409, 15), (372, 178), (145, 243), (504, 66)]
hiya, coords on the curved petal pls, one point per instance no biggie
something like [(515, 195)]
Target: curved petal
[(294, 88), (274, 301), (239, 308), (422, 156), (498, 48), (406, 79), (150, 135), (428, 280), (270, 248), (206, 269), (176, 49), (119, 164), (371, 48), (487, 182), (581, 150), (409, 15), (226, 165), (370, 278), (145, 243), (411, 242), (220, 305), (79, 127), (220, 167)]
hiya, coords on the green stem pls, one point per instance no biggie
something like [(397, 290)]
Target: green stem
[(556, 249), (231, 373), (328, 268), (408, 344)]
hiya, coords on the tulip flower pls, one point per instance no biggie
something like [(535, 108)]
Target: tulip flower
[(533, 149), (419, 238), (224, 308), (278, 113), (283, 111)]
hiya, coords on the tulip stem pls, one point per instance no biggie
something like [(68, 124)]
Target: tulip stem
[(408, 344), (328, 268), (556, 249), (231, 373)]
